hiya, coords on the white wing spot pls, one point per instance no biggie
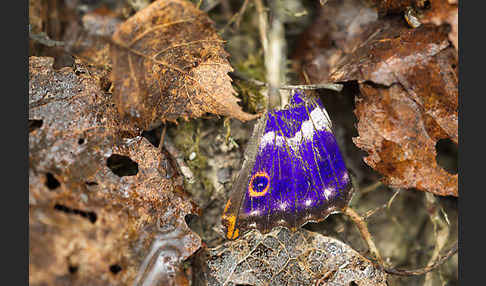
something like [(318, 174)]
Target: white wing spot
[(319, 120), (328, 193)]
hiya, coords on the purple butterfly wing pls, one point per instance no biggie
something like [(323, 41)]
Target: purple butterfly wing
[(293, 172)]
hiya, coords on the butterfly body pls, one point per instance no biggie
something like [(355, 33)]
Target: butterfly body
[(293, 171)]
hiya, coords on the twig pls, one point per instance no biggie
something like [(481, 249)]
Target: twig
[(365, 233), (236, 18), (44, 39), (240, 14), (262, 24), (441, 230), (162, 137), (387, 205), (421, 271), (371, 188), (332, 86), (183, 168)]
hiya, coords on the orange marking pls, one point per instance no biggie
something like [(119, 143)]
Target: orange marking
[(232, 233), (227, 206), (254, 193)]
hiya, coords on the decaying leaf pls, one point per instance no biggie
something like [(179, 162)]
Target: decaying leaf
[(319, 49), (400, 139), (396, 6), (95, 189), (409, 85), (168, 62), (282, 257), (442, 12), (89, 38)]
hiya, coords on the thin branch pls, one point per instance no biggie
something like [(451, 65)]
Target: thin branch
[(421, 271), (365, 233), (387, 205), (44, 39), (370, 188), (332, 86), (238, 16), (162, 138), (262, 24)]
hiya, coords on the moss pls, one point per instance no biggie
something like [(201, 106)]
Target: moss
[(187, 137)]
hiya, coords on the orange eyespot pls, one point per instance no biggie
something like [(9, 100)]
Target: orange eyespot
[(259, 184)]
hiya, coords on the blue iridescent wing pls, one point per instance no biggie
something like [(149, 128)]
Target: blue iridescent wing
[(293, 172)]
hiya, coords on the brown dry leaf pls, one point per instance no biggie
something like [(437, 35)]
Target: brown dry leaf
[(37, 15), (319, 49), (95, 190), (400, 125), (89, 37), (444, 12), (168, 62), (282, 257), (395, 6)]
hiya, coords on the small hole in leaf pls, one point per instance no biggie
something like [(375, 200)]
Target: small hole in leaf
[(352, 283), (81, 141), (194, 222), (91, 216), (51, 182), (447, 155), (115, 268), (153, 136), (91, 183), (426, 4), (72, 269), (34, 124), (122, 165), (189, 218)]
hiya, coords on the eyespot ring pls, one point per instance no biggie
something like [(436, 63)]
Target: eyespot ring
[(257, 193)]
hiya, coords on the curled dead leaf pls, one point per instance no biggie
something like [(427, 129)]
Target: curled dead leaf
[(409, 85), (400, 139), (168, 62)]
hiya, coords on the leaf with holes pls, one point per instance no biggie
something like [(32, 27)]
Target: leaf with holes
[(96, 189), (409, 100), (168, 62)]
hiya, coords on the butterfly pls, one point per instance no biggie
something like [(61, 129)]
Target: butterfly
[(292, 173)]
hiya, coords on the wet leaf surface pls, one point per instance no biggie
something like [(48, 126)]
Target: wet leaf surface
[(96, 189), (282, 257), (168, 62)]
